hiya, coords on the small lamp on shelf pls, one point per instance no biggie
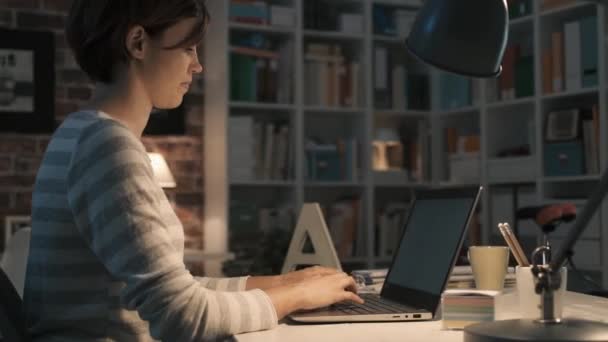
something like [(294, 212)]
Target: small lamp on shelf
[(388, 150), (162, 173)]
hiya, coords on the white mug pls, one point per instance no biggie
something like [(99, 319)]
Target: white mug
[(529, 301), (489, 264)]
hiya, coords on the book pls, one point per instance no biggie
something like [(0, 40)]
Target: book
[(557, 49), (589, 55), (572, 56), (464, 307), (547, 77)]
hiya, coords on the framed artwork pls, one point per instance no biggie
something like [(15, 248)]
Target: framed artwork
[(167, 122), (12, 223), (563, 125), (27, 81)]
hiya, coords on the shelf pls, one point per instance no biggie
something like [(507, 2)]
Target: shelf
[(414, 185), (334, 184), (402, 112), (460, 111), (565, 9), (262, 183), (583, 178), (332, 35), (511, 103), (451, 185), (389, 39), (262, 28), (261, 106), (517, 22), (513, 182), (571, 93), (334, 110), (400, 3)]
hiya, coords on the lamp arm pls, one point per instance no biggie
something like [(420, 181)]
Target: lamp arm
[(581, 223)]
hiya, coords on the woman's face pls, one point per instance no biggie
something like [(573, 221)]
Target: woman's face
[(167, 73)]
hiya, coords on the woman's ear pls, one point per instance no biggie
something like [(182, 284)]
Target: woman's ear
[(135, 41)]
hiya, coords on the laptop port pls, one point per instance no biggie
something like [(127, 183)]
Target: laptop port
[(396, 316), (417, 316)]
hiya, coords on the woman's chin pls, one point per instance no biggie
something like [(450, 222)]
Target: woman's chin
[(174, 103)]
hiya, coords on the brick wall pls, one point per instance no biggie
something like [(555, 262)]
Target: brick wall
[(20, 154)]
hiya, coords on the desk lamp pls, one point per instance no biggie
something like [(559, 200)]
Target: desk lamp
[(469, 37), (162, 173)]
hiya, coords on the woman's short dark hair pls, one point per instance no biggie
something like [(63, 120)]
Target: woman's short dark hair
[(96, 29)]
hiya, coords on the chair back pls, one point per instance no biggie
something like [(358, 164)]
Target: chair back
[(14, 259), (12, 318)]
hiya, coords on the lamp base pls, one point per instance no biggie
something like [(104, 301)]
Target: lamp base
[(530, 330)]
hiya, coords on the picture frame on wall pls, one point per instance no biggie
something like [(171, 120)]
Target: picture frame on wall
[(27, 81), (12, 224), (167, 122)]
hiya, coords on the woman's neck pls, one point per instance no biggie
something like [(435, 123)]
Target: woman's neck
[(125, 101)]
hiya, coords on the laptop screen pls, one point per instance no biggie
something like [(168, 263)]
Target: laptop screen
[(431, 239)]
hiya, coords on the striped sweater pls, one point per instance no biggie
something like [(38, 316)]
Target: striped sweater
[(106, 253)]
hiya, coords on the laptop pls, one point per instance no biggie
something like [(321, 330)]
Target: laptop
[(432, 237)]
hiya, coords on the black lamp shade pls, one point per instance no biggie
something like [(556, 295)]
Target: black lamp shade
[(466, 37)]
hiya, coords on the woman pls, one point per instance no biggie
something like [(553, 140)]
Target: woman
[(106, 255)]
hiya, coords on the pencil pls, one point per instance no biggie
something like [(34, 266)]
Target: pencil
[(510, 244), (517, 245)]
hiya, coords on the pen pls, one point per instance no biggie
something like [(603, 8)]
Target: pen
[(510, 244), (517, 245)]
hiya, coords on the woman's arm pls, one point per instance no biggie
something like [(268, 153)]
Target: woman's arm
[(116, 203), (291, 278)]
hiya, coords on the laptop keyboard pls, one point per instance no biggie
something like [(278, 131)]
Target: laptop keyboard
[(374, 304)]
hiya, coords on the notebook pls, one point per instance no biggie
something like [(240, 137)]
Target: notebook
[(427, 251)]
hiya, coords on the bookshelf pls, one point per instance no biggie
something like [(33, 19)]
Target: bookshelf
[(527, 119), (486, 124)]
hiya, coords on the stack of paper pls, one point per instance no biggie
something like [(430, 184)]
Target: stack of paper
[(463, 307), (462, 278)]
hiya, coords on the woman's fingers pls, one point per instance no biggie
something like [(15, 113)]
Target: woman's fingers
[(350, 288), (348, 283), (352, 297)]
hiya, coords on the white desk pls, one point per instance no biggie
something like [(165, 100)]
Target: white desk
[(576, 305)]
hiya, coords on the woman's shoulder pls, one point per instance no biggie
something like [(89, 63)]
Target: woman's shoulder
[(87, 123), (94, 130)]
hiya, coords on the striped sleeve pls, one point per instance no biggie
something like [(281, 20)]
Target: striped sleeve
[(112, 195), (224, 284)]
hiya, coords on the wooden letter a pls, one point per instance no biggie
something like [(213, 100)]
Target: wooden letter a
[(311, 224)]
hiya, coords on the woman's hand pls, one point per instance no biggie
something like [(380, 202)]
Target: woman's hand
[(327, 290), (306, 274), (314, 293)]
